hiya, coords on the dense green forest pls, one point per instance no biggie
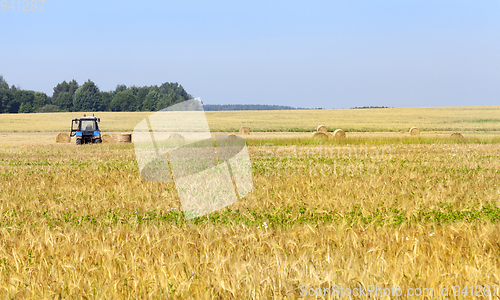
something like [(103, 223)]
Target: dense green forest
[(70, 96)]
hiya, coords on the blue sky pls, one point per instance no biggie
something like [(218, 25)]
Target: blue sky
[(330, 54)]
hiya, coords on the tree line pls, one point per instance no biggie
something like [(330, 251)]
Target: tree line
[(219, 107), (365, 107), (70, 96)]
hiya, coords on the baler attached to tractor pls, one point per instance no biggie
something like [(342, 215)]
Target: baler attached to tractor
[(86, 130)]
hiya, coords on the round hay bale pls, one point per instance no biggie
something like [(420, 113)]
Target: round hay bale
[(329, 134), (244, 130), (123, 138), (232, 136), (322, 128), (320, 135), (457, 135), (414, 131), (176, 140), (63, 137), (106, 138), (339, 133), (176, 136)]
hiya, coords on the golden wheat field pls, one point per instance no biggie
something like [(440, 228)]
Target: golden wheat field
[(369, 213), (470, 118)]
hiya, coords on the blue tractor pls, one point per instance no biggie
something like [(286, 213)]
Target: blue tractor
[(86, 130)]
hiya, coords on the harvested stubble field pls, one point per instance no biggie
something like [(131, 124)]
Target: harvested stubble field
[(381, 209)]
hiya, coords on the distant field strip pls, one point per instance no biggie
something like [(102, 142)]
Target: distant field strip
[(471, 118)]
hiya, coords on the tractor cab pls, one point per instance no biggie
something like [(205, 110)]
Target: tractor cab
[(86, 130)]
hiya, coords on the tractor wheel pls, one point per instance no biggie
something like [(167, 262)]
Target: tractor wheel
[(78, 141), (98, 141)]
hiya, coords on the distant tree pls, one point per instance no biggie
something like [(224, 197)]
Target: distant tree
[(136, 105), (150, 100), (87, 97), (25, 100), (5, 98), (164, 102), (119, 88), (140, 97), (122, 101), (64, 101), (63, 94), (172, 93), (106, 101), (13, 106), (60, 88), (22, 101), (72, 86), (134, 90), (173, 88), (9, 104), (25, 108), (3, 83), (40, 100)]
